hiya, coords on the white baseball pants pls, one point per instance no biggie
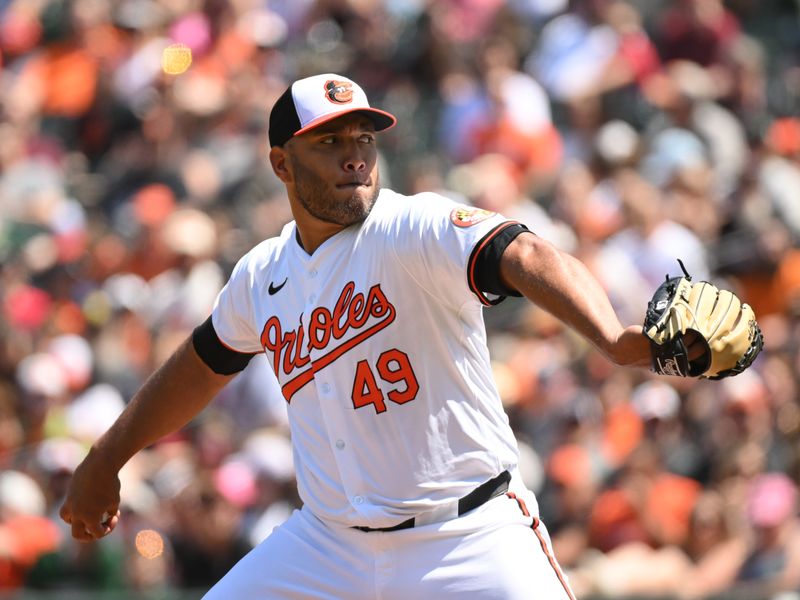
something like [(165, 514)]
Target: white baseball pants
[(495, 551)]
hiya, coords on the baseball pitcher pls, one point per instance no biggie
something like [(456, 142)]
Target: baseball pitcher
[(369, 307)]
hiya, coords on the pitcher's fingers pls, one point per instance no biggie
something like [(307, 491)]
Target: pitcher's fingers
[(96, 530), (80, 533), (111, 523)]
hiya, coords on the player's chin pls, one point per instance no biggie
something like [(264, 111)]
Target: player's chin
[(355, 205)]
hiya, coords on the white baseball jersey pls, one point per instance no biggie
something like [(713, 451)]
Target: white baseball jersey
[(379, 345)]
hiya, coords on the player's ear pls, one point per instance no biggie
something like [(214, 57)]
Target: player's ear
[(279, 159)]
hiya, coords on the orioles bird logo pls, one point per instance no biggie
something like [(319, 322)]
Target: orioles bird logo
[(466, 216), (340, 92)]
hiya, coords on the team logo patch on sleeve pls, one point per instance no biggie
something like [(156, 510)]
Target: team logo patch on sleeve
[(465, 216)]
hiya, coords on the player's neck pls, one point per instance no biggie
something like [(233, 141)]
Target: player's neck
[(312, 233)]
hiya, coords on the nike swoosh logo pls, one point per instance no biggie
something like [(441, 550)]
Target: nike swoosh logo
[(275, 289)]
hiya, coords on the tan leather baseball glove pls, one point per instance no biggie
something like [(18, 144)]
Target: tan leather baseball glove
[(726, 325)]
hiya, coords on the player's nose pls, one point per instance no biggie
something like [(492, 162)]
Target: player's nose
[(354, 159), (355, 164)]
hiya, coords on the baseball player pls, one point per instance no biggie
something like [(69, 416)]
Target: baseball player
[(369, 308)]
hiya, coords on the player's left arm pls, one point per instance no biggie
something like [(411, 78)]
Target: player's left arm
[(562, 285)]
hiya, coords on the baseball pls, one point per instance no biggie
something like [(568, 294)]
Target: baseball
[(176, 58)]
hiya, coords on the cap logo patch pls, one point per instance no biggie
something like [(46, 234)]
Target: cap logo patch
[(340, 92), (464, 216)]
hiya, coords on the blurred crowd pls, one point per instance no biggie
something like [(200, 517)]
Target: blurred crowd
[(629, 133)]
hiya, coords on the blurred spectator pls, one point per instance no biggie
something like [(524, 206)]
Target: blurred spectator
[(715, 546), (574, 51), (25, 532), (772, 564), (697, 30), (636, 259), (206, 535), (687, 94), (780, 171), (517, 122)]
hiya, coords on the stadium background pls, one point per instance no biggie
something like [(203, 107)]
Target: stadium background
[(628, 133)]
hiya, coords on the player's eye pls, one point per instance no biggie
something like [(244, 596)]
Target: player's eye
[(367, 139), (328, 140)]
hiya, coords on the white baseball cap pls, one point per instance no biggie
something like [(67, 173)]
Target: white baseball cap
[(312, 101)]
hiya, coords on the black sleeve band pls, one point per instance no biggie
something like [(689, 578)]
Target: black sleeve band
[(486, 263), (219, 358)]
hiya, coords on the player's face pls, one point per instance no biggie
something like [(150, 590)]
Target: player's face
[(335, 170)]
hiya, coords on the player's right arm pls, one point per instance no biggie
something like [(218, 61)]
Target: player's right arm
[(167, 401)]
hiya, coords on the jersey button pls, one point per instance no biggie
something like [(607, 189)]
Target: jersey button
[(325, 388), (312, 273), (358, 500), (312, 298), (340, 444)]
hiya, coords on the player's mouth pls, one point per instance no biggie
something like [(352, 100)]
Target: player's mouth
[(352, 185)]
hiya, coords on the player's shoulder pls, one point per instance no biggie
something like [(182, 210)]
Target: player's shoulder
[(420, 208), (428, 209), (392, 201), (266, 253)]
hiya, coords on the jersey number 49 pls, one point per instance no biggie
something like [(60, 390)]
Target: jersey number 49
[(393, 367)]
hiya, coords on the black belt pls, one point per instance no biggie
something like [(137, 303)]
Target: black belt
[(480, 495)]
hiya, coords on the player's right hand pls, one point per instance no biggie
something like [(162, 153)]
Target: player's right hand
[(91, 505)]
